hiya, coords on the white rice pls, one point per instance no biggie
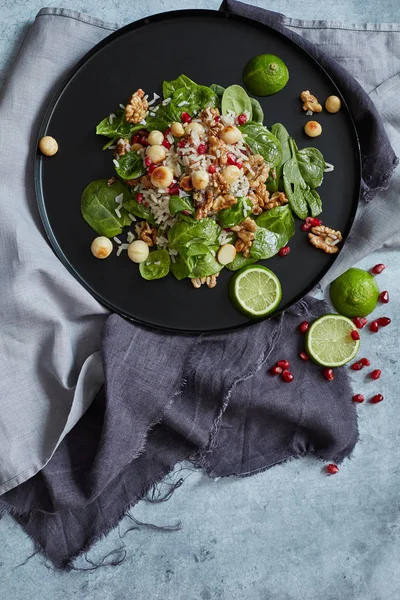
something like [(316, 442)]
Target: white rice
[(116, 163), (132, 217), (329, 168), (122, 106), (156, 108), (240, 187), (157, 262), (119, 198), (183, 103), (309, 113), (143, 122), (112, 147), (225, 237), (111, 118), (121, 248), (117, 212), (117, 240), (166, 101), (130, 237), (170, 138)]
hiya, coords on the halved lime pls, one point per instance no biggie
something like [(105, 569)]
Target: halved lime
[(329, 342), (265, 74), (255, 290)]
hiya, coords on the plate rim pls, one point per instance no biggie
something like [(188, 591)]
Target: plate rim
[(38, 162)]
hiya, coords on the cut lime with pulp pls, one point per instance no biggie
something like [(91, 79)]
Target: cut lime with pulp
[(255, 291), (329, 342), (265, 75)]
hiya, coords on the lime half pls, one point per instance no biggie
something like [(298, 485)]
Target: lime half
[(265, 74), (329, 342), (255, 291)]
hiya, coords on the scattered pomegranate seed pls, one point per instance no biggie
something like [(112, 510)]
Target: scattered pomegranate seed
[(231, 159), (284, 251), (166, 144), (185, 117), (357, 366), (239, 164), (360, 322), (374, 326), (365, 362), (355, 335), (304, 325), (201, 149), (328, 374), (304, 356), (139, 198), (148, 162), (332, 469), (383, 321), (287, 376), (217, 118), (152, 168), (275, 370), (358, 398), (167, 132), (283, 364), (242, 119), (376, 399), (135, 139), (212, 168), (384, 297), (306, 227), (181, 143), (376, 374), (315, 222), (377, 269), (173, 189)]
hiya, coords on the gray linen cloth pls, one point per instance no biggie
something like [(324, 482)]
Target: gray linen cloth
[(331, 442)]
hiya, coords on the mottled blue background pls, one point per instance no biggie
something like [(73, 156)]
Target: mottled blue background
[(287, 534)]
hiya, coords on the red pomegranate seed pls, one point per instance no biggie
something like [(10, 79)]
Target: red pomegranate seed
[(383, 321), (306, 227), (384, 297), (284, 251), (304, 356), (152, 168), (304, 325), (376, 399), (357, 366), (166, 144), (144, 141), (148, 162), (242, 119), (360, 322), (143, 132), (275, 370), (217, 118), (239, 164), (355, 335), (374, 326), (186, 212), (376, 374), (287, 376), (365, 362), (377, 269), (139, 198), (181, 143), (332, 469), (358, 398), (201, 149), (231, 159), (167, 132), (315, 222), (135, 139), (186, 118), (173, 189), (328, 374), (283, 364), (212, 168), (146, 204)]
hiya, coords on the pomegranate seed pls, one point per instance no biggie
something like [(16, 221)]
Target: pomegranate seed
[(355, 335), (146, 204), (304, 356), (186, 118), (148, 162), (152, 168), (332, 469), (139, 198), (374, 326), (384, 297), (377, 269), (143, 132), (383, 321), (328, 374), (201, 149), (365, 362), (306, 227), (315, 222), (135, 139), (239, 164), (357, 366), (376, 399), (275, 370), (376, 374), (360, 322), (228, 229), (242, 119), (217, 118), (181, 143), (167, 132), (304, 325), (173, 189), (186, 212), (283, 364), (231, 159), (284, 251), (166, 144), (287, 376), (212, 169), (144, 141), (358, 398)]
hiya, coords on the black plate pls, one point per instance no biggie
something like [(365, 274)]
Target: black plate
[(209, 47)]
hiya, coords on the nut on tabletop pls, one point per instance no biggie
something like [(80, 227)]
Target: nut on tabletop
[(310, 102), (48, 146)]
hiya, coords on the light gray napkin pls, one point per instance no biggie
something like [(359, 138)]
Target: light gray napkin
[(50, 326)]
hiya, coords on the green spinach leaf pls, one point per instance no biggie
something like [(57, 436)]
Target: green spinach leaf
[(98, 207), (274, 181), (200, 260), (258, 113), (235, 214), (119, 128), (261, 141), (156, 266), (312, 166), (235, 98), (169, 87), (184, 233), (240, 261), (280, 221), (177, 204), (217, 89), (265, 244), (313, 200), (179, 268), (130, 166), (300, 195), (131, 205)]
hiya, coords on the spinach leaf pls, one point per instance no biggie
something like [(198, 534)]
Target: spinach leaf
[(169, 87), (274, 181), (313, 200), (235, 214), (295, 184), (217, 89), (130, 165), (258, 113), (200, 260), (184, 233), (261, 141), (235, 98), (119, 128), (265, 244), (312, 166), (240, 261), (98, 207), (179, 268), (280, 221), (177, 204), (156, 266), (131, 205)]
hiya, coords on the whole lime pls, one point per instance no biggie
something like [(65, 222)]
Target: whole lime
[(265, 74), (355, 293)]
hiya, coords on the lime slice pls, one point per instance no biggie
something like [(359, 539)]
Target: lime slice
[(329, 342), (355, 293), (265, 74), (255, 290)]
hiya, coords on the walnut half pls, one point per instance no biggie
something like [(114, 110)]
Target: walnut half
[(211, 281), (147, 233), (310, 102), (325, 239), (136, 109)]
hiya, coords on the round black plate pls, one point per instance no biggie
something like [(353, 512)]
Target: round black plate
[(209, 47)]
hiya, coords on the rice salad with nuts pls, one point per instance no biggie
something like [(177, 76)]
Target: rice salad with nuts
[(201, 183)]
